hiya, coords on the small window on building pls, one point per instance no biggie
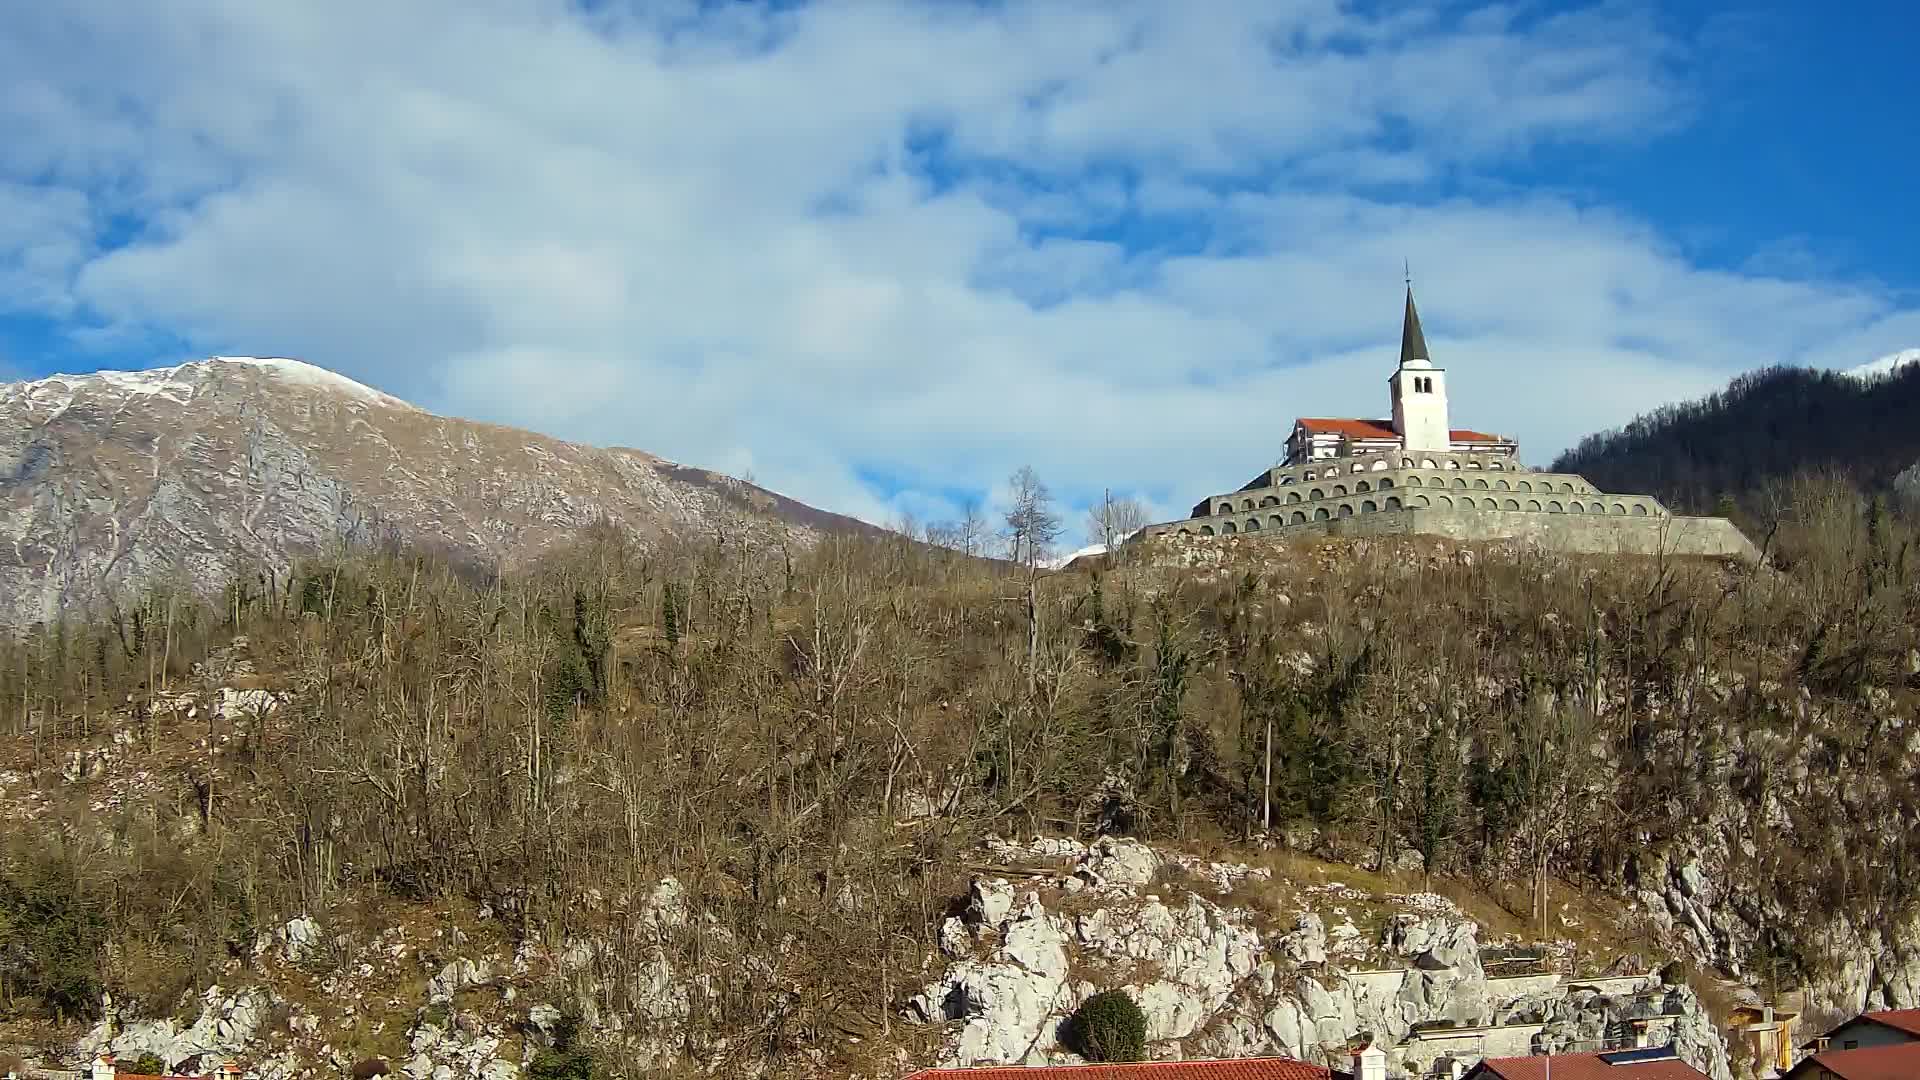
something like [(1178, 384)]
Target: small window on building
[(1850, 1044)]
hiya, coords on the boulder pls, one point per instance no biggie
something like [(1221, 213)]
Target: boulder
[(298, 938), (989, 903), (954, 941), (1038, 945), (665, 907), (544, 1019), (455, 977), (1307, 942), (1118, 864)]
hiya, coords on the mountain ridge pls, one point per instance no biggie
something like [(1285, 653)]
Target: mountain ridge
[(116, 481), (1767, 425), (1887, 364)]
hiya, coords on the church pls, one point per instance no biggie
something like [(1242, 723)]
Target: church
[(1419, 392), (1414, 474)]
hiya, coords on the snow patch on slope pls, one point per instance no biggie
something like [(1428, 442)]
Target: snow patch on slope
[(1886, 365), (161, 382), (1060, 561), (319, 378)]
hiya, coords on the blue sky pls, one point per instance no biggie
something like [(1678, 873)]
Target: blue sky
[(879, 255)]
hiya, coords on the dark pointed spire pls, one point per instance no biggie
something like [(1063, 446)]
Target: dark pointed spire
[(1413, 343)]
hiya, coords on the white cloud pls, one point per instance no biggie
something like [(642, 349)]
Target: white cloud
[(45, 234), (935, 241)]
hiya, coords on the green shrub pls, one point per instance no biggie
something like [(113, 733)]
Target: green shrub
[(53, 933), (1107, 1027), (561, 1065), (145, 1065), (566, 1059)]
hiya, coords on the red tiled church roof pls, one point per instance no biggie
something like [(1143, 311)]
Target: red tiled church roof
[(1354, 428), (1900, 1061), (1243, 1069), (1350, 427), (1584, 1067)]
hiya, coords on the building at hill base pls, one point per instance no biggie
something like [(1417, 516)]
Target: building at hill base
[(1414, 474)]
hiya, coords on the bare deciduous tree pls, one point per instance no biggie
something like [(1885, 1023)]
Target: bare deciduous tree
[(1112, 520)]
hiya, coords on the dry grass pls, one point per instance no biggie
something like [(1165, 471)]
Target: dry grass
[(1717, 997)]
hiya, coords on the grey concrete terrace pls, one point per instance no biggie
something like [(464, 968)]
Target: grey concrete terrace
[(1454, 461), (1585, 529), (1343, 471), (1283, 515), (1328, 491)]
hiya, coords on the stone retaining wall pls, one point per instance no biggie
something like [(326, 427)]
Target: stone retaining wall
[(1594, 534)]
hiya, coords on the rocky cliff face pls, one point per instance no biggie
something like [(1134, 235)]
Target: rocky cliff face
[(113, 481), (1214, 982), (1215, 977)]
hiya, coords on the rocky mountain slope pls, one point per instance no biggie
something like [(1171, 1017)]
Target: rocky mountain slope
[(113, 481), (1225, 959)]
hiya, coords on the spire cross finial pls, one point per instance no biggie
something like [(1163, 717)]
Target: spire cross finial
[(1408, 265)]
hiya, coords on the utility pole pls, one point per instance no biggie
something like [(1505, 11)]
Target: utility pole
[(1266, 779)]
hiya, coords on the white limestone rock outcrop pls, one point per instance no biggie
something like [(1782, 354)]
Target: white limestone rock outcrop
[(1117, 866), (296, 941), (1007, 1007), (226, 1027), (1220, 981)]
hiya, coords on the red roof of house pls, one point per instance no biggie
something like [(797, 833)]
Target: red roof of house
[(1354, 428), (1900, 1061), (1240, 1069), (1907, 1020), (1584, 1067)]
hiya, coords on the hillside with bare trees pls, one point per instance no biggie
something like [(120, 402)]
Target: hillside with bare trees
[(811, 746)]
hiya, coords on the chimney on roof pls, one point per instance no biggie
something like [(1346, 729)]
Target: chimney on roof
[(102, 1068), (1369, 1061)]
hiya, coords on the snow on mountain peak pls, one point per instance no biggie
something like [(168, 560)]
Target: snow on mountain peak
[(178, 383), (305, 374), (1886, 364)]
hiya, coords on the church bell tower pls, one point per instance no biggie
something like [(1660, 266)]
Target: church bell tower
[(1419, 390)]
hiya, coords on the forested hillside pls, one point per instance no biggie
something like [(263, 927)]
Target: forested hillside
[(808, 743), (1742, 442)]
